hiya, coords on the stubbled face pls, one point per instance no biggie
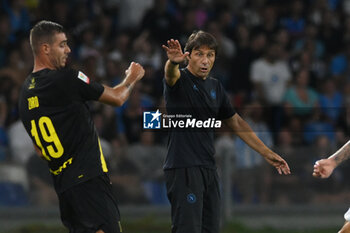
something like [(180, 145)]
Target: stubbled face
[(201, 61), (59, 50)]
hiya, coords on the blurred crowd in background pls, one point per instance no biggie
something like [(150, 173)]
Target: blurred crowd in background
[(284, 64)]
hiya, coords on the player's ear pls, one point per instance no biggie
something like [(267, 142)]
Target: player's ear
[(45, 48)]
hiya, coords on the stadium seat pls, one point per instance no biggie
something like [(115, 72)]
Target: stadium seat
[(12, 194)]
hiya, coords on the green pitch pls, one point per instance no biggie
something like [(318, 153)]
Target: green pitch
[(152, 225)]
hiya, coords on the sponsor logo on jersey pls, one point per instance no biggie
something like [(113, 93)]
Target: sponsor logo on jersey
[(83, 77), (32, 84), (64, 165)]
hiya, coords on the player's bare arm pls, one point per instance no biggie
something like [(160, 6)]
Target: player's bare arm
[(342, 154), (324, 168), (175, 57), (241, 128), (119, 94)]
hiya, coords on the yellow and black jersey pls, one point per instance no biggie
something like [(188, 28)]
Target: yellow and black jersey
[(54, 112)]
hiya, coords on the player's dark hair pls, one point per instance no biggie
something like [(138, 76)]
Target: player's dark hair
[(200, 38), (43, 32)]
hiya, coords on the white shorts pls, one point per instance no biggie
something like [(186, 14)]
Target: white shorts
[(347, 215)]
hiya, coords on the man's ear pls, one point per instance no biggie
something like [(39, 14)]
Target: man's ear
[(45, 48), (187, 59)]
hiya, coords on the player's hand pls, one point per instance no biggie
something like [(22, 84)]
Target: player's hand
[(135, 72), (324, 168), (280, 164), (174, 51)]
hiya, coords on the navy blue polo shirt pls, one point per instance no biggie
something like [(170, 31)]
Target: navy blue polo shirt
[(202, 99)]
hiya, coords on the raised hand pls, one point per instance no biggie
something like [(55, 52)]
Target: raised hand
[(280, 164), (174, 51), (324, 168)]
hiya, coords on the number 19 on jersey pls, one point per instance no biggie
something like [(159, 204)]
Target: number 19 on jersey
[(49, 135)]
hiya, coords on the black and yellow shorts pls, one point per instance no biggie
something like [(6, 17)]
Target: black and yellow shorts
[(90, 206)]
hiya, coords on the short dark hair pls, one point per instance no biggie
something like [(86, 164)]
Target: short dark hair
[(43, 32), (200, 38)]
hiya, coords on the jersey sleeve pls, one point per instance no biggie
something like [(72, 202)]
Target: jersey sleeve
[(175, 87), (226, 110), (83, 87)]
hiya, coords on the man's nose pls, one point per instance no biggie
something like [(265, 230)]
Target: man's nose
[(68, 49), (205, 60)]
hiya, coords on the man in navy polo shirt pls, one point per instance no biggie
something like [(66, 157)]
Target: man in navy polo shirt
[(190, 170)]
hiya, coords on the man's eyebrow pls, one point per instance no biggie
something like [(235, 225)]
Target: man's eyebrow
[(200, 50)]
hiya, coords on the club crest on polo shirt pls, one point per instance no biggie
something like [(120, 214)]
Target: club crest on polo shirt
[(213, 94), (83, 77), (191, 198)]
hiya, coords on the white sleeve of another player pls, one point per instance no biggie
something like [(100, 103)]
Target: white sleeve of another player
[(347, 215)]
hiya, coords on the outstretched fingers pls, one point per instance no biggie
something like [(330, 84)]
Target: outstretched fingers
[(279, 170), (165, 48), (286, 170), (186, 54), (174, 51), (177, 44), (172, 45), (283, 168)]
